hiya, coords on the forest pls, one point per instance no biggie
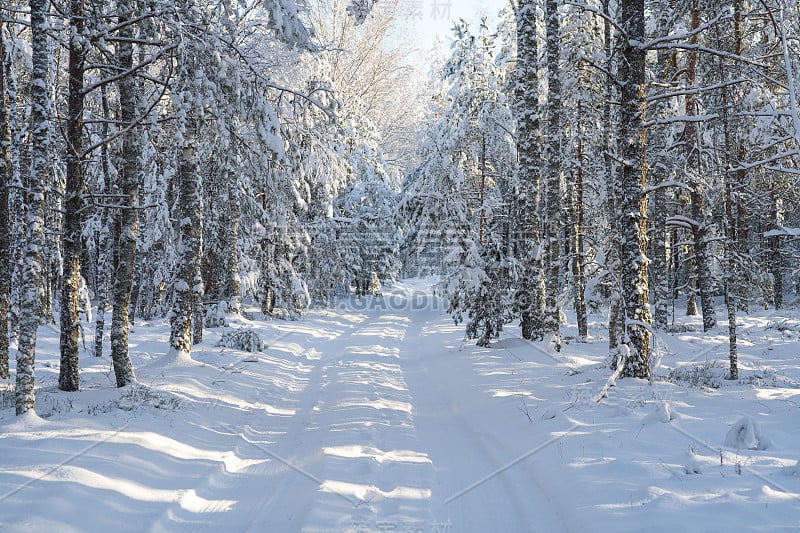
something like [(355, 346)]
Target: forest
[(194, 160)]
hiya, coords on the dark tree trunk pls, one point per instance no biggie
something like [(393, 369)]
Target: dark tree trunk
[(6, 176), (632, 201), (69, 375), (105, 241), (578, 237), (702, 260)]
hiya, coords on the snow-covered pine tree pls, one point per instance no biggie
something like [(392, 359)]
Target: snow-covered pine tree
[(460, 194), (582, 154), (691, 142)]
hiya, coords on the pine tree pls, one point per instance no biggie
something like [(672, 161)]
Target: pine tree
[(629, 186), (71, 231)]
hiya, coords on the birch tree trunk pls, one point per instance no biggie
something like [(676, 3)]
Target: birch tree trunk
[(232, 286), (188, 282), (105, 241), (128, 216), (530, 296), (31, 292), (553, 146), (632, 200)]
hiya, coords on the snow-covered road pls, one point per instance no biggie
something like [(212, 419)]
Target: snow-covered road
[(389, 433), (376, 416)]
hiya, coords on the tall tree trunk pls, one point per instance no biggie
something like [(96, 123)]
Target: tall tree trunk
[(632, 200), (529, 299), (690, 267), (578, 236), (128, 218), (17, 201), (6, 176), (616, 323), (232, 288), (731, 178), (702, 260), (553, 145), (32, 261), (775, 256), (660, 265), (68, 377), (105, 240), (661, 171), (188, 282)]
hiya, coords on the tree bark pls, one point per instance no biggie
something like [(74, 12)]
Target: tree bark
[(32, 260), (578, 237), (553, 146), (71, 232), (188, 282), (128, 218), (697, 191), (232, 288), (6, 176), (631, 182), (105, 240), (529, 300)]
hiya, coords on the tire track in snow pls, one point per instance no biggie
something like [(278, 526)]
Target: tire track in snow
[(374, 477), (467, 439), (267, 495)]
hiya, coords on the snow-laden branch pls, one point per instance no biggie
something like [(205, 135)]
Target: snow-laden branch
[(724, 15), (665, 185), (711, 51), (682, 119), (765, 161), (787, 62), (694, 91), (782, 232), (681, 221)]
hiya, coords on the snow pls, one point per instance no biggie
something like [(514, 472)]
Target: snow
[(375, 415)]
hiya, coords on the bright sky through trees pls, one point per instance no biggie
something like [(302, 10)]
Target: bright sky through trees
[(432, 20)]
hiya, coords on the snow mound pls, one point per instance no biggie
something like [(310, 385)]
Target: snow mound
[(692, 465), (745, 434), (662, 413), (791, 471)]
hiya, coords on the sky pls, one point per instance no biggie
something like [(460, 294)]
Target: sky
[(433, 19)]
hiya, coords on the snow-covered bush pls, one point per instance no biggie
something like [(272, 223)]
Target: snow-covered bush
[(246, 340), (746, 435)]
